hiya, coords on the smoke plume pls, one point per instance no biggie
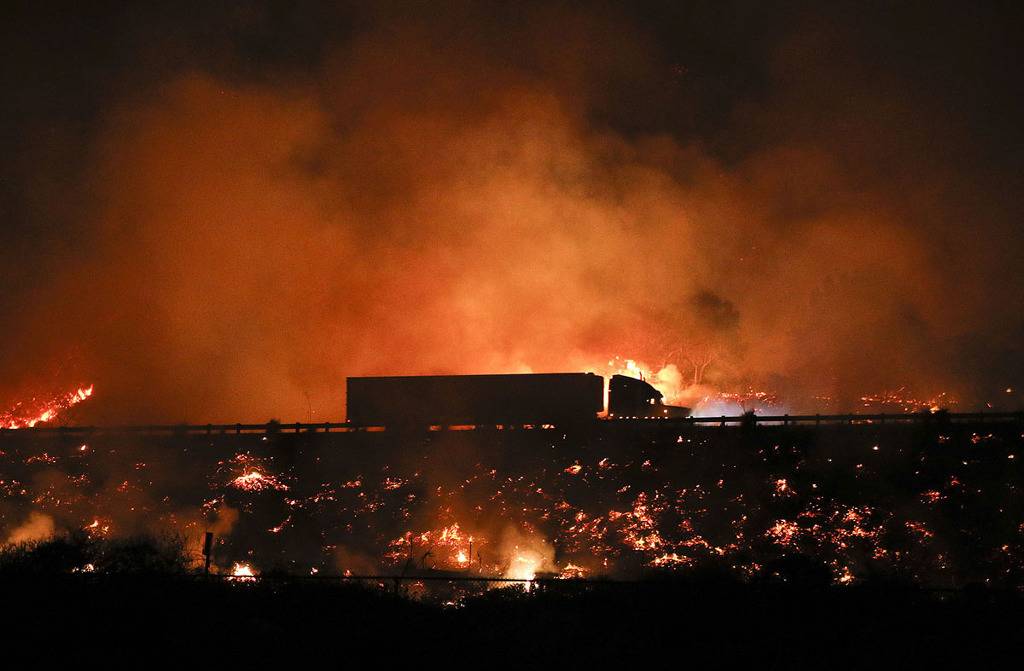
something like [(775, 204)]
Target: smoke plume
[(39, 526), (399, 192)]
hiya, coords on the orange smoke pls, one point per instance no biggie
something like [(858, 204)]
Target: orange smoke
[(410, 206)]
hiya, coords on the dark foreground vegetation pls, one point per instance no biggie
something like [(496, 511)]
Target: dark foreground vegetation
[(140, 603)]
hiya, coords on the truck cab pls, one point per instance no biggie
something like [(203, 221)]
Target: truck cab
[(629, 397)]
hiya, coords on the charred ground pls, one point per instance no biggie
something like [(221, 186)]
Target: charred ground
[(932, 505), (784, 546)]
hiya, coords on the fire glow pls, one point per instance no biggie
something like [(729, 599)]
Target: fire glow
[(255, 481), (534, 505), (242, 572), (28, 415)]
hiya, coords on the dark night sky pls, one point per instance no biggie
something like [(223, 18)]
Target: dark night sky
[(847, 178)]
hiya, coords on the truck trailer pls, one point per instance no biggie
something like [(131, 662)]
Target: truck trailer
[(516, 399)]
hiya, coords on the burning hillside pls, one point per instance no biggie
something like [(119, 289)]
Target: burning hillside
[(850, 503), (27, 414)]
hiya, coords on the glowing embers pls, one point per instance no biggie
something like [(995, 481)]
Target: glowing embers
[(902, 401), (920, 529), (671, 560), (751, 400), (257, 481), (392, 483), (27, 415), (783, 532), (618, 513), (783, 488), (254, 476), (574, 469), (447, 548), (572, 572), (98, 528), (640, 528)]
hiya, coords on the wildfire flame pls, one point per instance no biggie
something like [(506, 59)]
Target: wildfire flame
[(242, 572), (19, 417), (448, 547), (592, 512), (524, 565)]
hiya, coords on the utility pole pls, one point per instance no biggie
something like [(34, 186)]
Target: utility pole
[(207, 551)]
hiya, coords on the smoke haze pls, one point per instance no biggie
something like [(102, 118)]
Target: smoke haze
[(220, 220)]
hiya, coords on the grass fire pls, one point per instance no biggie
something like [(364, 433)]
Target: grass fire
[(554, 334)]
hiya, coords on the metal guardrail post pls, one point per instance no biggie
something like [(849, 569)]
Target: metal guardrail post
[(273, 427)]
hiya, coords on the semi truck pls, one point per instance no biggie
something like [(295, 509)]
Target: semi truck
[(514, 399)]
